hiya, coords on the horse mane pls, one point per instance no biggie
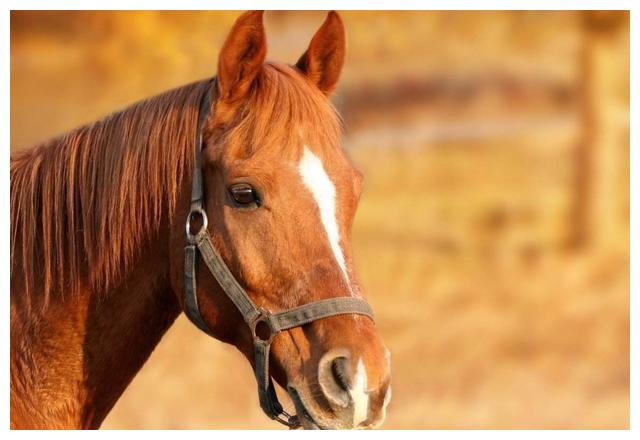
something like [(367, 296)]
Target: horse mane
[(81, 203)]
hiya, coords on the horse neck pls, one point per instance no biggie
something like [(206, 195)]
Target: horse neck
[(71, 364)]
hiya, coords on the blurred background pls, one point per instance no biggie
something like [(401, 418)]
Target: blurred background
[(493, 233)]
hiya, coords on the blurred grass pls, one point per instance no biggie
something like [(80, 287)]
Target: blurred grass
[(490, 327), (467, 127)]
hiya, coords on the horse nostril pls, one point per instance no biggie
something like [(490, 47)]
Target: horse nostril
[(335, 377), (340, 369)]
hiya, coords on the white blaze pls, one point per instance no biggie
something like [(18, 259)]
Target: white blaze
[(318, 182), (385, 402), (359, 395), (387, 397)]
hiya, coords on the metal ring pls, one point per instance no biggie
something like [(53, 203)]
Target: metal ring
[(205, 222), (263, 317), (293, 422)]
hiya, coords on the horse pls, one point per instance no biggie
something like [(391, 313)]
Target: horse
[(98, 243)]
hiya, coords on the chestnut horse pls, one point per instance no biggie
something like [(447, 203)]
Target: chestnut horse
[(97, 239)]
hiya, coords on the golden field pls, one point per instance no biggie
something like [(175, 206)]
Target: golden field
[(493, 233)]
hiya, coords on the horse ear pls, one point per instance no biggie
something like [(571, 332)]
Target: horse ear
[(242, 56), (323, 60)]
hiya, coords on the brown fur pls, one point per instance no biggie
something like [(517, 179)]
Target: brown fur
[(97, 239)]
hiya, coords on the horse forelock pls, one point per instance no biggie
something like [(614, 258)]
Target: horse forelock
[(283, 111)]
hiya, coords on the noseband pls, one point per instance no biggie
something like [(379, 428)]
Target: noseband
[(264, 324)]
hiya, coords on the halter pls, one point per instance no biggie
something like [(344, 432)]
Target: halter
[(264, 324)]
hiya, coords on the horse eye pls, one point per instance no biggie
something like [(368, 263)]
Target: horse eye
[(244, 194)]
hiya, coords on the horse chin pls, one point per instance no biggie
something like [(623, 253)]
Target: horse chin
[(311, 417), (307, 419)]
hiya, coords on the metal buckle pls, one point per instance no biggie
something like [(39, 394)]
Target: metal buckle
[(205, 222)]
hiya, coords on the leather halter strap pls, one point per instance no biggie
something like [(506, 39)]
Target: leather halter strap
[(270, 323)]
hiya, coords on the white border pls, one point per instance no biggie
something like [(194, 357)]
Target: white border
[(353, 5)]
